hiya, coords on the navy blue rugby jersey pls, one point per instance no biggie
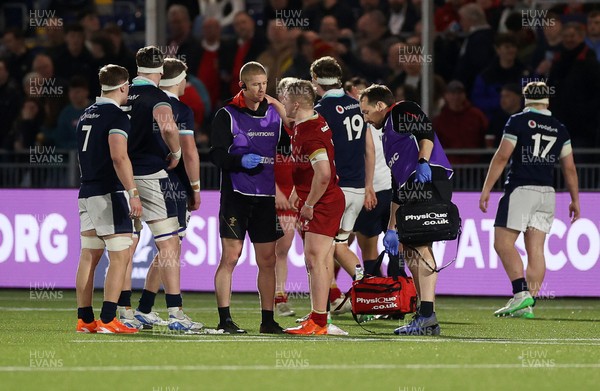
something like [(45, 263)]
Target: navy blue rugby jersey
[(540, 141), (97, 122), (343, 115), (147, 150), (184, 118)]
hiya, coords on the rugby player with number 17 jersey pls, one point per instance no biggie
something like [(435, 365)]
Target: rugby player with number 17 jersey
[(534, 142)]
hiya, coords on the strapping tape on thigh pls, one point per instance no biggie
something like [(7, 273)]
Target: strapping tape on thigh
[(164, 229), (92, 242), (118, 243), (342, 237)]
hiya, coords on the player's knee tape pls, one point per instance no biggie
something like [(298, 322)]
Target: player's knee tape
[(118, 243), (92, 242), (341, 238), (164, 229)]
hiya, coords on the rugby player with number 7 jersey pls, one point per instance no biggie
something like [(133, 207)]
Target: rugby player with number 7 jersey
[(108, 199)]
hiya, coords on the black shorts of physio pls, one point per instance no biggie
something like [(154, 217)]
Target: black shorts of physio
[(415, 192), (373, 222), (256, 215)]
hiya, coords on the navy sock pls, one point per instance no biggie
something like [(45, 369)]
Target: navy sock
[(267, 316), (125, 299), (146, 301), (329, 305), (519, 285), (174, 300), (109, 311), (224, 314), (426, 309), (86, 314)]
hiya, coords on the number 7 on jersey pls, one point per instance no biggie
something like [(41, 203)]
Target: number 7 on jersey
[(88, 130)]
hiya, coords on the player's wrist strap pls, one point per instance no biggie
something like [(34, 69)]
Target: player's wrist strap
[(133, 193), (176, 155), (309, 206), (196, 186)]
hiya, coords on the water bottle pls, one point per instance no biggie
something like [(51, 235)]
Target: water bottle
[(359, 272)]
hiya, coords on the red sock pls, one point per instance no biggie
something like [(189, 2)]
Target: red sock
[(280, 298), (334, 293), (319, 319)]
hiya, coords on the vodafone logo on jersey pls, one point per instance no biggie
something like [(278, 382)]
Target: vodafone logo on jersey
[(531, 124), (339, 109)]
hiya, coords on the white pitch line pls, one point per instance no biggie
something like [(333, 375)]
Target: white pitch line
[(308, 367), (209, 309), (220, 339)]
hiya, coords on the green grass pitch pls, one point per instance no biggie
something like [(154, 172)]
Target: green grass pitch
[(559, 350)]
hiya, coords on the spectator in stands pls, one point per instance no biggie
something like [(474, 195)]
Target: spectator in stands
[(504, 69), (211, 57), (20, 58), (510, 103), (446, 17), (371, 5), (526, 39), (103, 53), (181, 42), (340, 10), (52, 92), (403, 16), (74, 58), (64, 136), (123, 56), (366, 64), (10, 101), (89, 20), (397, 74), (304, 55), (412, 59), (224, 11), (26, 130), (274, 8), (593, 32), (460, 124), (477, 50), (498, 15), (197, 98), (248, 43), (576, 77), (372, 27), (355, 86), (55, 36), (548, 46), (277, 57), (329, 30), (406, 92)]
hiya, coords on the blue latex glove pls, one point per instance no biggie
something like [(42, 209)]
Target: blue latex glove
[(391, 242), (423, 173), (250, 160)]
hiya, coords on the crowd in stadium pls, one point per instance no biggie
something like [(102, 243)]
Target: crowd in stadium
[(485, 51)]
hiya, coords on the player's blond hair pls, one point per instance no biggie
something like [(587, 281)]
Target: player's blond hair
[(302, 91)]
